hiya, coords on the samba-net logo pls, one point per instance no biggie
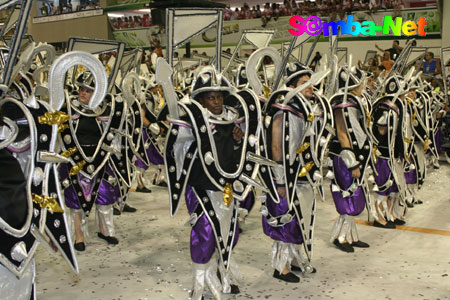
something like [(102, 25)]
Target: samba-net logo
[(314, 26)]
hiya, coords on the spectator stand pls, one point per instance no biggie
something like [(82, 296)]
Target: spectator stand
[(416, 58)]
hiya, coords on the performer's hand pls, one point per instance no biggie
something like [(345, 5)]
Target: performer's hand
[(281, 191), (237, 134), (356, 173)]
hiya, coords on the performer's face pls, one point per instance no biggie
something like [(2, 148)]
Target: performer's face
[(212, 101), (412, 94), (85, 95), (308, 92)]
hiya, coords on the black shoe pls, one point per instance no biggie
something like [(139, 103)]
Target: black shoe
[(116, 212), (418, 202), (346, 247), (110, 239), (289, 277), (360, 244), (410, 205), (162, 184), (79, 246), (389, 225), (240, 229), (298, 269), (130, 209), (234, 289), (399, 222), (143, 190)]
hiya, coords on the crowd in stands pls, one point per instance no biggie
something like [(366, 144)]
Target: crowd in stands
[(135, 21), (307, 8), (49, 9)]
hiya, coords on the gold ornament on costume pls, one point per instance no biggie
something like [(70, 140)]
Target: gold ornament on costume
[(62, 127), (408, 158), (266, 91), (374, 153), (369, 118), (55, 118), (426, 144), (228, 194), (69, 152), (310, 118), (303, 147), (76, 169), (47, 202), (413, 116), (407, 140), (306, 168)]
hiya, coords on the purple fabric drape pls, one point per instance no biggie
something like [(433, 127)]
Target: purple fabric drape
[(203, 241), (288, 233), (352, 205), (384, 172)]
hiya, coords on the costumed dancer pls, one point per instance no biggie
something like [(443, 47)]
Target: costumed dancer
[(31, 204), (415, 170), (350, 152), (288, 208), (389, 130), (151, 134), (208, 157), (90, 139)]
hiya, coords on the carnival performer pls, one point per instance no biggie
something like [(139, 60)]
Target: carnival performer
[(415, 166), (152, 129), (205, 154), (350, 152), (80, 189), (281, 210), (388, 128)]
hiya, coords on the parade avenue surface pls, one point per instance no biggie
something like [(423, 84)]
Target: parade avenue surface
[(152, 260)]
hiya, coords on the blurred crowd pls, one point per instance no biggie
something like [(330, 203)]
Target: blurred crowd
[(306, 8), (49, 9), (135, 21)]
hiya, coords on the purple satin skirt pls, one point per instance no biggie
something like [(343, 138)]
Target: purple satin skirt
[(153, 155), (384, 172), (289, 233), (411, 177), (203, 240), (438, 140), (106, 194), (248, 202), (352, 205)]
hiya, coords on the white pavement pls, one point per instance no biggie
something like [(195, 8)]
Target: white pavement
[(152, 260)]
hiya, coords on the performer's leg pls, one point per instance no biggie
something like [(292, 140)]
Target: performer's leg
[(344, 234), (283, 256), (206, 275), (105, 223), (80, 224)]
